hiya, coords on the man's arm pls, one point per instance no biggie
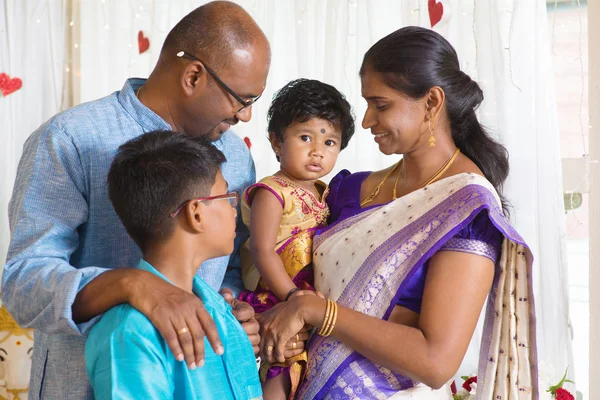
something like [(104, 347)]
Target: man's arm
[(46, 209)]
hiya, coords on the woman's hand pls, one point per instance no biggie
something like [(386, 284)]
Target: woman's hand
[(280, 324)]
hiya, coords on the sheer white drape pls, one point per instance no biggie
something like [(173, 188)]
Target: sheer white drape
[(32, 48), (503, 45)]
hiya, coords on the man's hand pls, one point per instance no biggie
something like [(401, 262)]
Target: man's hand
[(179, 316), (244, 313)]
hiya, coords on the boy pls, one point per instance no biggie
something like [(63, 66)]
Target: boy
[(168, 190)]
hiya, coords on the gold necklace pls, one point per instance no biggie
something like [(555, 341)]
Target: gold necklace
[(444, 168), (435, 177), (375, 192)]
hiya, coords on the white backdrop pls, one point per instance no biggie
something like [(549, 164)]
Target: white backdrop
[(32, 36), (503, 44)]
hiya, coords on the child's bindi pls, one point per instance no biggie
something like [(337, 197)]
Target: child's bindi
[(323, 130)]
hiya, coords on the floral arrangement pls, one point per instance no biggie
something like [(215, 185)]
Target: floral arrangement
[(468, 389)]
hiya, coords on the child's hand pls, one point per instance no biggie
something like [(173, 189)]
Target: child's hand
[(303, 293)]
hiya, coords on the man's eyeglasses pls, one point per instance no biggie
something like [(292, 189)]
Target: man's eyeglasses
[(244, 103), (233, 198)]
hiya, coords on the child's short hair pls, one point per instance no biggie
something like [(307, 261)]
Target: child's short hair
[(154, 174), (304, 99)]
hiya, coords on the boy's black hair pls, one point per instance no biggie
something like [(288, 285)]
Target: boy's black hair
[(304, 99), (154, 174)]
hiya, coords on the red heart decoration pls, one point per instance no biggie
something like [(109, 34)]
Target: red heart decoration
[(143, 42), (248, 142), (436, 10), (8, 85)]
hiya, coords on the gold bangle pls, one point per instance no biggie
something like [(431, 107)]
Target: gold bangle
[(326, 319), (332, 320), (328, 311)]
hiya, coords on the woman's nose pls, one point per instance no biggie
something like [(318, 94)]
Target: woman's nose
[(368, 120)]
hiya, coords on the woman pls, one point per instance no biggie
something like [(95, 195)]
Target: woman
[(415, 249)]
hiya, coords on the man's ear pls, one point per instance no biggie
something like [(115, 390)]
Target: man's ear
[(193, 76)]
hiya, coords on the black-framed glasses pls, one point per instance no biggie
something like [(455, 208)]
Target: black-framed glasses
[(232, 197), (244, 103)]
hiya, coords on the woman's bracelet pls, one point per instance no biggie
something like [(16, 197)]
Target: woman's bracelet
[(331, 311), (291, 292)]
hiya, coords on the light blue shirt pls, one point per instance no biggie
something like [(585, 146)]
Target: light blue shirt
[(65, 231), (127, 358)]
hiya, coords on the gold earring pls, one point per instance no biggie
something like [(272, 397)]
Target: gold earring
[(432, 139)]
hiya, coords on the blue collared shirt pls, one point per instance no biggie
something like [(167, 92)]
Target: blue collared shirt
[(65, 231), (127, 358)]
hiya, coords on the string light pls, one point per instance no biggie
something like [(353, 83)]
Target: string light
[(71, 23), (510, 35)]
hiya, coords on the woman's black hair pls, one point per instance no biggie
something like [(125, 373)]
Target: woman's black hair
[(412, 60)]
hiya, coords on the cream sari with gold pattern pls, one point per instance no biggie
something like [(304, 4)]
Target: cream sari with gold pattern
[(364, 261)]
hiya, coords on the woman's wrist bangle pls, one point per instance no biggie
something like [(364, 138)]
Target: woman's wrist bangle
[(330, 318), (291, 292), (326, 318)]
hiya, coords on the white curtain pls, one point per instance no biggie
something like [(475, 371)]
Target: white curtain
[(32, 48), (503, 44)]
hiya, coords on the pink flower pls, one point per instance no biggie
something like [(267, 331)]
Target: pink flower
[(558, 392), (467, 384), (563, 394)]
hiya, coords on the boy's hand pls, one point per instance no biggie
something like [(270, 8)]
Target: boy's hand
[(244, 313), (179, 316)]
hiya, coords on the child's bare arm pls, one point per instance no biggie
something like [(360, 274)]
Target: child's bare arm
[(265, 218)]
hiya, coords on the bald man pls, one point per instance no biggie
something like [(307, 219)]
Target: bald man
[(70, 258)]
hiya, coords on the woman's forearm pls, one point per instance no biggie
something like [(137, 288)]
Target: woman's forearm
[(400, 348)]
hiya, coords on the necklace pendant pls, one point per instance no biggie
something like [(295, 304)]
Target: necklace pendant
[(432, 141)]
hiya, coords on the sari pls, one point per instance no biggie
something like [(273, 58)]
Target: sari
[(364, 262)]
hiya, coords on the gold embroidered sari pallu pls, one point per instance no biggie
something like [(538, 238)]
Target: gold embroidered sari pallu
[(365, 261)]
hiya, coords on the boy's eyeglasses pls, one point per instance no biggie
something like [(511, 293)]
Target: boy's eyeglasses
[(244, 103), (233, 198)]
